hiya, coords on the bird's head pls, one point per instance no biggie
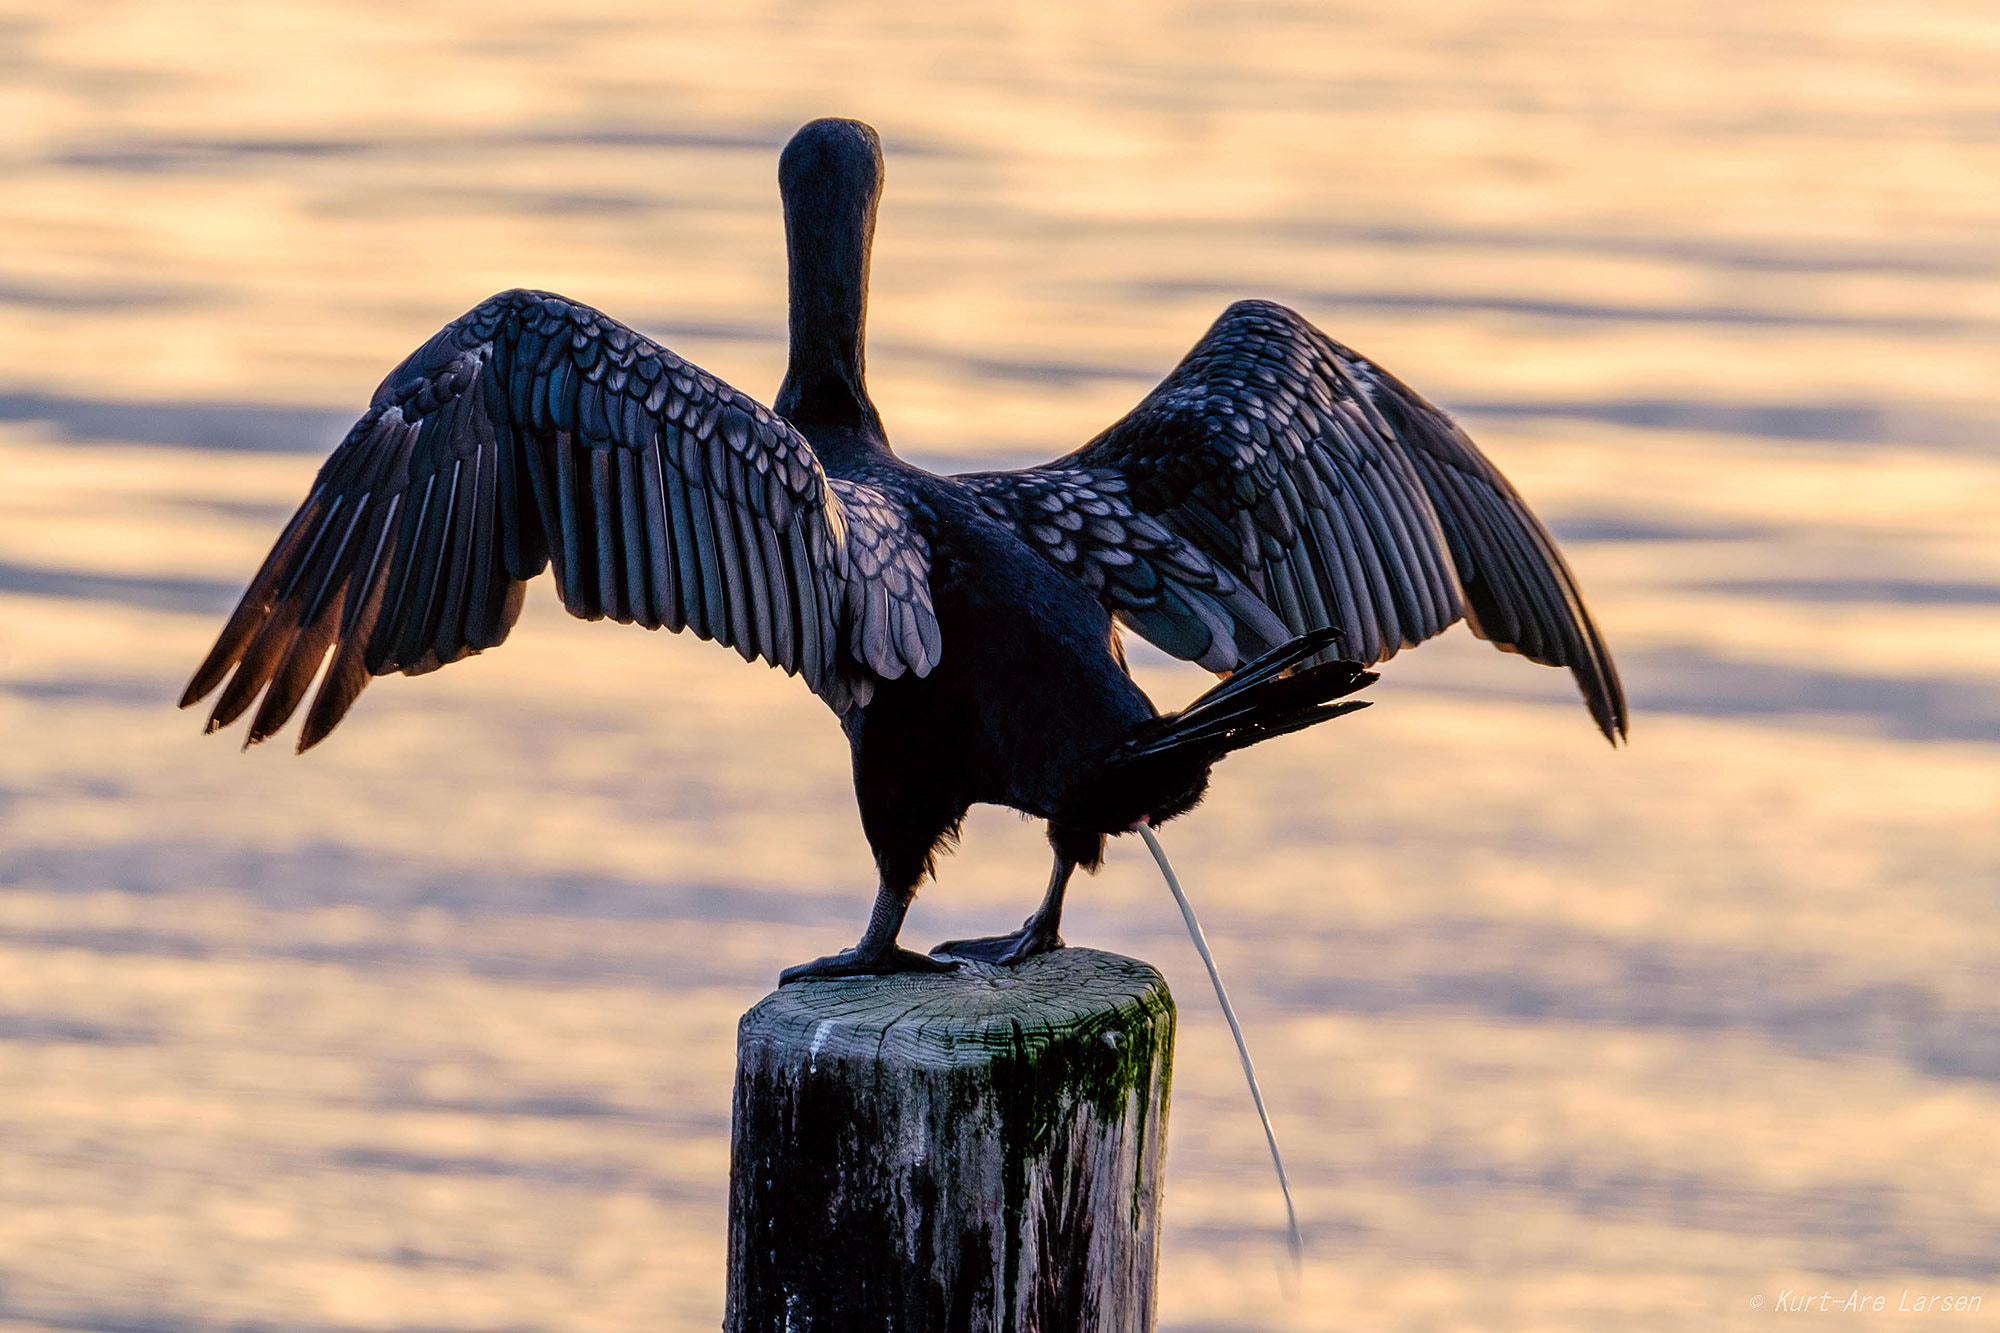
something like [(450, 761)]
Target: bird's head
[(844, 154)]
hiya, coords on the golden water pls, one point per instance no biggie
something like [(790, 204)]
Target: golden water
[(434, 1027)]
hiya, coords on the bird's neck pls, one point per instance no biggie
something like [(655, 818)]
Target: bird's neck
[(829, 228)]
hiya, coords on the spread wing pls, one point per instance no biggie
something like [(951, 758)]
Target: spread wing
[(1277, 482), (535, 430)]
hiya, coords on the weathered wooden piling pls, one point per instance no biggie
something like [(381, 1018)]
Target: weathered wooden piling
[(969, 1152)]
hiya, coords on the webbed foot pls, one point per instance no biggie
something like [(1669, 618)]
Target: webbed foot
[(857, 962), (1005, 950)]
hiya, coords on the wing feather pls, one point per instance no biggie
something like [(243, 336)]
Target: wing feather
[(784, 648), (472, 578), (636, 560), (763, 640), (656, 536), (735, 590), (605, 525)]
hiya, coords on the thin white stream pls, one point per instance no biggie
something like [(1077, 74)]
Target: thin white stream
[(1235, 1028)]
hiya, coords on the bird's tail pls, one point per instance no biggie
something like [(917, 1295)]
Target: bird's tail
[(1267, 698), (1165, 762)]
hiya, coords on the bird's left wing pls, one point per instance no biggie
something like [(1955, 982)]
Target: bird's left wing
[(535, 430)]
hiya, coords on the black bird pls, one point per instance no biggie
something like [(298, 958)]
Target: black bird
[(1277, 495)]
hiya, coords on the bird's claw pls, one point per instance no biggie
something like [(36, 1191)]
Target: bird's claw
[(875, 963), (1004, 950)]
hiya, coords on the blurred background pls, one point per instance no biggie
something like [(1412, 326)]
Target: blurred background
[(434, 1028)]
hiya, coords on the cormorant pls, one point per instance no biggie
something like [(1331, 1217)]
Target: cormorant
[(1278, 496)]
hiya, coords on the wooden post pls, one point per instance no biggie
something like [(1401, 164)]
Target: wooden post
[(970, 1152)]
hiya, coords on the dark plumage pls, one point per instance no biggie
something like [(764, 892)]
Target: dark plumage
[(1278, 497)]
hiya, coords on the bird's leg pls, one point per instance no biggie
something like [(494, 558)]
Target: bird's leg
[(1038, 934), (877, 954)]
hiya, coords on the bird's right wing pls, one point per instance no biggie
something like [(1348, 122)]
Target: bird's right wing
[(1282, 483), (535, 429)]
